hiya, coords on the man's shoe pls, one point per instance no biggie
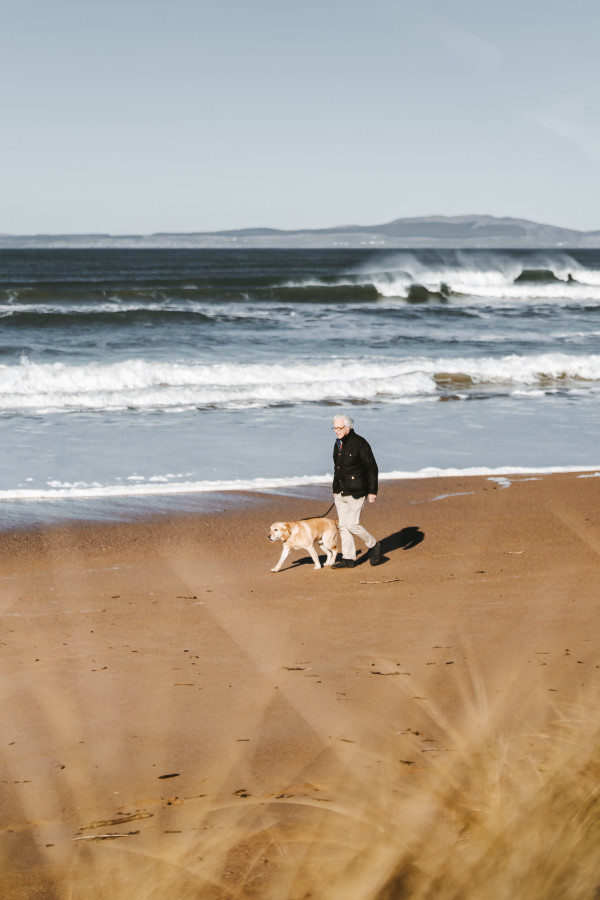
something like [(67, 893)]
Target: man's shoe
[(343, 564), (375, 554)]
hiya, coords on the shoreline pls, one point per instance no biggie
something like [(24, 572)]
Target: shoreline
[(177, 716), (116, 504)]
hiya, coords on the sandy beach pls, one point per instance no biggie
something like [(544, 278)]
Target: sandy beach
[(178, 721)]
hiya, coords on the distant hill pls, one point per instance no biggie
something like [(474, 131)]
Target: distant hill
[(428, 231)]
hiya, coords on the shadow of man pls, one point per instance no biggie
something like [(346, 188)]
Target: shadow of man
[(405, 539)]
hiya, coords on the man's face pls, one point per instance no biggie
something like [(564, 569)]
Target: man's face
[(340, 428)]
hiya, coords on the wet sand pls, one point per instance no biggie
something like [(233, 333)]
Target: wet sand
[(179, 721)]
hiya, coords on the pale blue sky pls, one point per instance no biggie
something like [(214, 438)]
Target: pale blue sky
[(145, 115)]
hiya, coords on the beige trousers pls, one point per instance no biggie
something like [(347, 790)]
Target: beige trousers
[(349, 510)]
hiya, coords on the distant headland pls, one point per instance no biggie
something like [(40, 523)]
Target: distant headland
[(469, 231)]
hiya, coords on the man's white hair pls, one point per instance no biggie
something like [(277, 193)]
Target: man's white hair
[(345, 418)]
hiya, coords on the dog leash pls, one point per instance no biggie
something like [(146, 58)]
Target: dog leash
[(319, 517)]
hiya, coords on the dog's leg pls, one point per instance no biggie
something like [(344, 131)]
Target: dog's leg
[(331, 553), (284, 555), (327, 553), (316, 559)]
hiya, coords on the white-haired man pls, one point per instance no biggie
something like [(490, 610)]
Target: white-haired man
[(354, 481)]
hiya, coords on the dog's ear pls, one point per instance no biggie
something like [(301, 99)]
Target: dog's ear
[(288, 527)]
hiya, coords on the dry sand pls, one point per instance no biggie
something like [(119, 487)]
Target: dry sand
[(249, 734)]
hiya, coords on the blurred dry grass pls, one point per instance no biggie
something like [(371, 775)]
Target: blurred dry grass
[(499, 811)]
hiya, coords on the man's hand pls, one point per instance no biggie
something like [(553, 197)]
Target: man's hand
[(371, 498)]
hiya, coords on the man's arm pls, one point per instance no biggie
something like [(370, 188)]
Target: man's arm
[(371, 470)]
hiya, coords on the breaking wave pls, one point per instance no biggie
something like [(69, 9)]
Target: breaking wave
[(415, 276), (144, 385), (442, 275)]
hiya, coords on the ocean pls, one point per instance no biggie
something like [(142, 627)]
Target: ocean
[(149, 380)]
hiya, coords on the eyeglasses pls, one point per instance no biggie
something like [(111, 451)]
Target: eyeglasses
[(338, 427)]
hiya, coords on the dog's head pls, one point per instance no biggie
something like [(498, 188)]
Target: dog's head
[(279, 531)]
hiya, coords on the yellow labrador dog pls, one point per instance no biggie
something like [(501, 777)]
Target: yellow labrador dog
[(302, 536)]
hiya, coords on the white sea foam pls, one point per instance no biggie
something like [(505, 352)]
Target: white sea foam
[(502, 481), (143, 384), (163, 485)]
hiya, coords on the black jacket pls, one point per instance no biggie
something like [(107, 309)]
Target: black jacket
[(354, 468)]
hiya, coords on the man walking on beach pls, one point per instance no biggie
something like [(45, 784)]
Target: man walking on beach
[(354, 481)]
